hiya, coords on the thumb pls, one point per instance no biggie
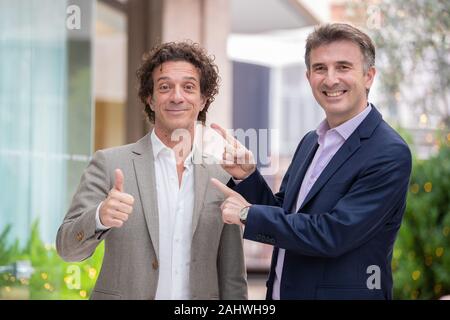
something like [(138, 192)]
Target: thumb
[(223, 188), (118, 182)]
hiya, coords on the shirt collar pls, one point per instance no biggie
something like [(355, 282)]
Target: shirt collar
[(159, 147), (345, 129)]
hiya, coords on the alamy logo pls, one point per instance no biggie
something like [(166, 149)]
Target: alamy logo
[(374, 280), (73, 21), (73, 279)]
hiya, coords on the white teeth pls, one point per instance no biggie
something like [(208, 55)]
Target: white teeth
[(334, 94)]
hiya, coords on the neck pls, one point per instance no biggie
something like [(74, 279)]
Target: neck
[(180, 140), (335, 120)]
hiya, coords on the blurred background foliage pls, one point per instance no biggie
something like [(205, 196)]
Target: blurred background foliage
[(421, 258), (412, 40), (52, 278)]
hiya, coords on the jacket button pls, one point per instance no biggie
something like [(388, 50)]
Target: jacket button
[(80, 235), (155, 264)]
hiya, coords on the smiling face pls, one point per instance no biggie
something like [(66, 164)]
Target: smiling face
[(338, 81), (177, 98)]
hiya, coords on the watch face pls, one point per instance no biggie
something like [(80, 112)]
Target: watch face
[(243, 214)]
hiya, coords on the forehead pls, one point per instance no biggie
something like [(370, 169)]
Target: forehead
[(343, 50), (175, 70)]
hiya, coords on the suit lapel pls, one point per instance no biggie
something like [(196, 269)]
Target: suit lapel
[(347, 149), (364, 131), (144, 167), (201, 182), (291, 197)]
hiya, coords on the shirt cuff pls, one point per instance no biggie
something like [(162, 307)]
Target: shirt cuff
[(98, 225)]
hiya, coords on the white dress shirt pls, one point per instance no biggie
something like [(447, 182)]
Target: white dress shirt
[(175, 209)]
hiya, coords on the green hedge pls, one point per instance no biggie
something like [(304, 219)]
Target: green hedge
[(421, 258), (53, 278)]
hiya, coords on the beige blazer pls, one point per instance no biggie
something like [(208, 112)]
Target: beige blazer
[(130, 265)]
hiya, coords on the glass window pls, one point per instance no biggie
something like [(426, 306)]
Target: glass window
[(45, 110)]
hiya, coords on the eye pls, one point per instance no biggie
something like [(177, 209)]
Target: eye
[(189, 87), (344, 67), (319, 69), (163, 87)]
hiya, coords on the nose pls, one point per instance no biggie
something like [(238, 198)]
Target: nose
[(177, 95), (331, 79)]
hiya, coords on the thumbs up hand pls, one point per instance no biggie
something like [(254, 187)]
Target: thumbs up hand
[(232, 205), (115, 210)]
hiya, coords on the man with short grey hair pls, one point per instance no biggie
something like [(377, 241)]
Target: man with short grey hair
[(335, 219)]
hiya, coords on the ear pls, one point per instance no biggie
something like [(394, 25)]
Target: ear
[(203, 103), (308, 74), (149, 102), (370, 76)]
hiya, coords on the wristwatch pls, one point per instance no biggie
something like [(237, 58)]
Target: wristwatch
[(243, 214)]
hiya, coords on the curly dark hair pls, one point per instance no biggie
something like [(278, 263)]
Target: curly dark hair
[(179, 51)]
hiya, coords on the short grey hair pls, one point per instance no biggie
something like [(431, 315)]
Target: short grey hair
[(328, 33)]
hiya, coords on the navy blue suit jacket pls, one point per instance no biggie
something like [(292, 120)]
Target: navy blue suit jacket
[(344, 232)]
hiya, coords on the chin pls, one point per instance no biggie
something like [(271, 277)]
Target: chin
[(180, 125)]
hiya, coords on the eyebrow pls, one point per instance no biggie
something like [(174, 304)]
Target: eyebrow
[(344, 62), (184, 78), (337, 62)]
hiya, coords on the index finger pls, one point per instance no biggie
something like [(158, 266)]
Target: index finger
[(228, 138), (223, 188)]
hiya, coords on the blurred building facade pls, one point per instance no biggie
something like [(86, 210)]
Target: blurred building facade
[(75, 89)]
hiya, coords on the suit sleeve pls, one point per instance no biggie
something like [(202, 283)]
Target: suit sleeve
[(231, 264), (370, 203), (256, 191), (77, 238)]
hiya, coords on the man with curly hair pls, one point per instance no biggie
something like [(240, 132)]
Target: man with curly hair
[(164, 236)]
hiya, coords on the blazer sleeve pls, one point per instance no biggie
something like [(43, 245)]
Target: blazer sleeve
[(256, 190), (231, 264), (373, 199), (77, 238)]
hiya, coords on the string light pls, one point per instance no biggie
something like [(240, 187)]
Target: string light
[(446, 231), (423, 118), (68, 279), (92, 272), (414, 188)]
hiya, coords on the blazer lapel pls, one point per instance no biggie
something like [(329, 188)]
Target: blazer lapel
[(291, 197), (348, 148), (364, 131), (201, 182), (144, 167)]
